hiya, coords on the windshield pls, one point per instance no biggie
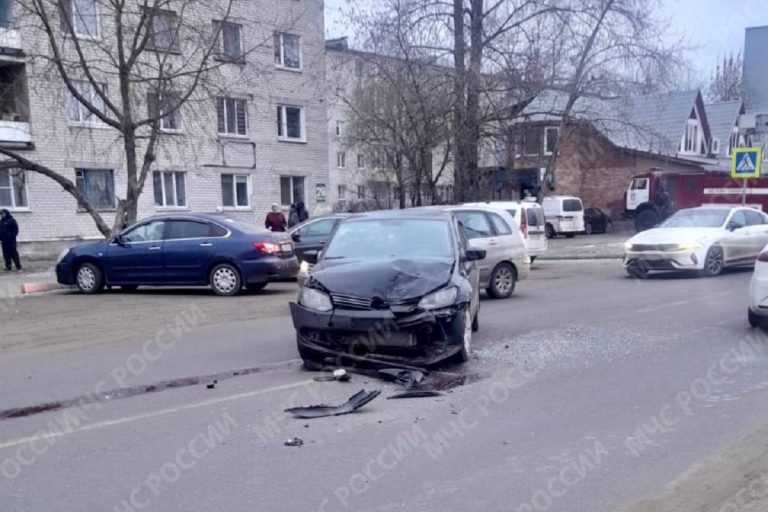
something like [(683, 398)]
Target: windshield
[(696, 219), (391, 238)]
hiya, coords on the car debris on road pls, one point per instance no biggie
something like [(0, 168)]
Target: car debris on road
[(355, 402)]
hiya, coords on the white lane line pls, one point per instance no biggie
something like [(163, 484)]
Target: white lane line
[(170, 410)]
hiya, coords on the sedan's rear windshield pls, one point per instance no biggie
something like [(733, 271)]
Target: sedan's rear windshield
[(571, 205), (391, 238), (696, 219)]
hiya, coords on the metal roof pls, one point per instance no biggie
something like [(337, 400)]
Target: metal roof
[(722, 117)]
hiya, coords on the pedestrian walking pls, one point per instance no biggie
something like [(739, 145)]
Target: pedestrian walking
[(9, 230), (275, 220), (293, 216), (302, 211)]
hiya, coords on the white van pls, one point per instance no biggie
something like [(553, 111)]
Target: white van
[(529, 219), (564, 214)]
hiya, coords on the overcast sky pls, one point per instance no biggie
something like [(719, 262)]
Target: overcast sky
[(713, 27)]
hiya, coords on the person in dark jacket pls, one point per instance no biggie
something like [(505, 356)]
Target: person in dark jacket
[(293, 216), (302, 211), (9, 230), (275, 220)]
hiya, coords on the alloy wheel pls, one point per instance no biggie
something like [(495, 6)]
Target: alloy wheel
[(225, 280), (714, 262), (503, 280), (467, 330), (86, 278)]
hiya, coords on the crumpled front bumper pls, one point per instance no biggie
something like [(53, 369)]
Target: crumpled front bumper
[(667, 260), (418, 338)]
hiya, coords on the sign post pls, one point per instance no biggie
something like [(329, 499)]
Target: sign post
[(745, 164)]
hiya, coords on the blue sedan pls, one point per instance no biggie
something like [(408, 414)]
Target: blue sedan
[(182, 250)]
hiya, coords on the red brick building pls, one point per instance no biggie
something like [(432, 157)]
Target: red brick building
[(603, 146)]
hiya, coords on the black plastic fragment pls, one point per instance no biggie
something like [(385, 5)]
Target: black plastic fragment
[(356, 401), (415, 393)]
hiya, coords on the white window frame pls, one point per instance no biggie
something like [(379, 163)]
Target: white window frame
[(715, 150), (111, 172), (220, 25), (158, 99), (291, 187), (547, 129), (691, 137), (235, 177), (734, 141), (165, 205), (341, 129), (341, 160), (341, 192), (85, 116), (10, 186), (175, 28), (226, 117), (73, 12), (361, 191), (281, 63), (282, 111), (361, 160)]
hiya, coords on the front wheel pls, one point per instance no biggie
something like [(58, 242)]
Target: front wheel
[(89, 278), (225, 280), (713, 264), (503, 280), (588, 228), (637, 271), (462, 334)]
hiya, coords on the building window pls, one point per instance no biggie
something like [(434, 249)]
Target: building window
[(341, 159), (735, 140), (690, 142), (291, 190), (290, 123), (228, 44), (83, 18), (532, 142), (361, 160), (232, 116), (77, 112), (341, 129), (550, 139), (342, 192), (170, 189), (164, 31), (361, 191), (235, 191), (287, 50), (13, 189), (158, 105), (97, 185)]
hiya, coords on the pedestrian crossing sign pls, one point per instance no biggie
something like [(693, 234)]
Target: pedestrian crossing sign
[(746, 162)]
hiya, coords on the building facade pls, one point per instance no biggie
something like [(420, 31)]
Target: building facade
[(255, 137)]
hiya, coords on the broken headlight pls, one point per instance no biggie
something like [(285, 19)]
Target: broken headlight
[(315, 299), (439, 299)]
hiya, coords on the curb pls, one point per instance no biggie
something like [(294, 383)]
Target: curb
[(27, 288)]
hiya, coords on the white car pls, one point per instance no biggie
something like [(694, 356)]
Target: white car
[(758, 292), (529, 219), (706, 238), (564, 214)]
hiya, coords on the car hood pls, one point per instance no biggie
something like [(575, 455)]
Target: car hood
[(90, 247), (675, 235), (391, 280)]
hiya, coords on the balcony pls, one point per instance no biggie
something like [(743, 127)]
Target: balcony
[(15, 133), (10, 42), (14, 106)]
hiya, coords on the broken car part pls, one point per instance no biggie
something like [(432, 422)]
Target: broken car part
[(356, 401)]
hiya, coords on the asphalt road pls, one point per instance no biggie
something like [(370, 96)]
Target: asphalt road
[(589, 392)]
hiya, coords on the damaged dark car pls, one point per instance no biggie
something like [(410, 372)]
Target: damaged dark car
[(392, 288)]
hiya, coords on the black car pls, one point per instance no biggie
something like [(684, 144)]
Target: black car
[(390, 286), (595, 221), (313, 234), (181, 250)]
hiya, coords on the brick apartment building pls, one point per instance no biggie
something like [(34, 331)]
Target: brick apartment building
[(225, 152)]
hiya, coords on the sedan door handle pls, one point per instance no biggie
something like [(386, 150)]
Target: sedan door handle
[(493, 242), (155, 248), (206, 244)]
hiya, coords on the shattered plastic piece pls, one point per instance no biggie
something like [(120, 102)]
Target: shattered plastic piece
[(341, 375), (296, 441), (415, 393), (212, 385), (406, 378), (356, 401)]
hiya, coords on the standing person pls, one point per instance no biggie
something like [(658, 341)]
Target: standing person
[(293, 216), (302, 211), (275, 220), (9, 230)]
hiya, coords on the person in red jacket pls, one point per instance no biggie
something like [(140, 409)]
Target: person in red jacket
[(275, 220)]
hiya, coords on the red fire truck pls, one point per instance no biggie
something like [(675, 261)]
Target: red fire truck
[(655, 195)]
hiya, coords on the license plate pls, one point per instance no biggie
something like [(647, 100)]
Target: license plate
[(287, 247)]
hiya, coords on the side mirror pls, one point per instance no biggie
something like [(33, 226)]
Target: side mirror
[(295, 236), (311, 256), (733, 226), (119, 240), (474, 254)]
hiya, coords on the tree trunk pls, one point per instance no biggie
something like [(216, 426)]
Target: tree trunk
[(472, 121), (459, 104)]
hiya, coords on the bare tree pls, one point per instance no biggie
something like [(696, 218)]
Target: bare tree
[(725, 84), (131, 65)]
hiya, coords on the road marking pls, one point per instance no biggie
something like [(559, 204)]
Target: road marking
[(162, 412)]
